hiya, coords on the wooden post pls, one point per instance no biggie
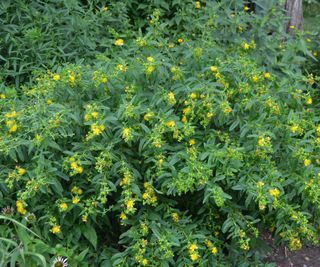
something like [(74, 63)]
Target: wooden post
[(294, 12)]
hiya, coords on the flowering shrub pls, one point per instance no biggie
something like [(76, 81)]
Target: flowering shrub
[(173, 150), (37, 34)]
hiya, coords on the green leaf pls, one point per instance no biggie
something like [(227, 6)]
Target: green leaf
[(39, 256), (81, 256), (19, 224), (90, 233)]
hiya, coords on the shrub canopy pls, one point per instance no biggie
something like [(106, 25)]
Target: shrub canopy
[(172, 149)]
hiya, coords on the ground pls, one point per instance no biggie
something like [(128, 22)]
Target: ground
[(305, 257)]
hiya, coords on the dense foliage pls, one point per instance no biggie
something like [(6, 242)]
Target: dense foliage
[(37, 34), (174, 147)]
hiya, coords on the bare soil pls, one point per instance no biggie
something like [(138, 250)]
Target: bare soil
[(305, 257)]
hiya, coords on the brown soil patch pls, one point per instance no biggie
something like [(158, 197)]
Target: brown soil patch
[(282, 257)]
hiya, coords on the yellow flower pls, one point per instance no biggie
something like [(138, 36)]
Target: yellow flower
[(170, 124), (184, 119), (84, 218), (295, 244), (294, 128), (72, 80), (209, 115), (141, 42), (144, 262), (56, 77), (13, 128), (245, 46), (214, 68), (122, 67), (214, 250), (119, 42), (260, 184), (198, 4), (125, 180), (75, 200), (318, 130), (292, 27), (97, 129), (267, 75), (126, 133), (255, 78), (180, 40), (63, 206), (94, 114), (193, 95), (20, 208), (274, 192), (186, 110), (38, 138), (261, 141), (157, 143), (192, 142), (227, 110), (12, 114), (145, 196), (10, 123), (74, 189), (148, 116), (218, 75), (105, 8), (154, 199), (79, 191), (49, 102), (246, 8), (309, 101), (208, 243), (22, 211), (74, 165), (150, 69), (192, 248), (194, 256), (171, 98), (174, 69), (306, 162), (21, 171), (87, 117), (79, 169), (103, 79), (129, 204), (150, 59), (2, 96), (175, 217), (123, 216), (56, 229), (19, 203)]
